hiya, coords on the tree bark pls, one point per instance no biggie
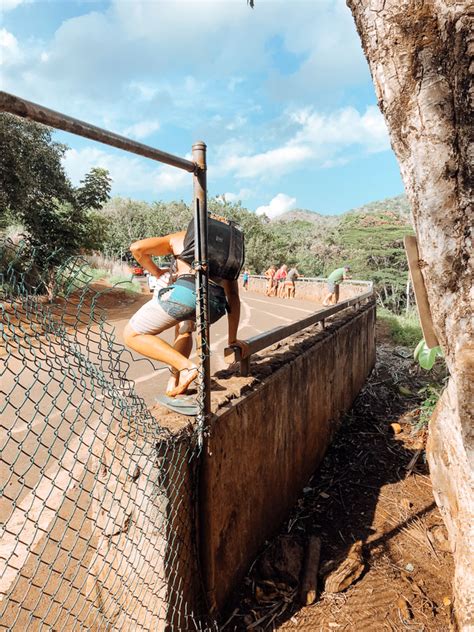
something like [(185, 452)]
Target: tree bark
[(420, 54)]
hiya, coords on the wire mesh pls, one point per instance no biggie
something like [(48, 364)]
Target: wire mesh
[(97, 498)]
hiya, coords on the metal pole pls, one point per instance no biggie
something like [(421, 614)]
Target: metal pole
[(202, 288), (33, 111)]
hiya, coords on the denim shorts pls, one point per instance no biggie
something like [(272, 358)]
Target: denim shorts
[(151, 318), (166, 309), (177, 304), (179, 300)]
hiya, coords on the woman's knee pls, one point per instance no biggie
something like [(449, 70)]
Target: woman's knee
[(128, 335)]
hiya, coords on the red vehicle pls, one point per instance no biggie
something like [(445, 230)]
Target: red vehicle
[(137, 270)]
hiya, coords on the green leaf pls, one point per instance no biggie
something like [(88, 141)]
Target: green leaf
[(425, 356)]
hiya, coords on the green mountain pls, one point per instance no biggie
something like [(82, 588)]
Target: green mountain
[(398, 206)]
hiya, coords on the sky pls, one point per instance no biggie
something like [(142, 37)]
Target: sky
[(281, 95)]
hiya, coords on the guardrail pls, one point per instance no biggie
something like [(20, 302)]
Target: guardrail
[(318, 280), (262, 341)]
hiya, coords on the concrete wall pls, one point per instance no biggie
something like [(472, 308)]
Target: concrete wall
[(314, 290), (262, 450)]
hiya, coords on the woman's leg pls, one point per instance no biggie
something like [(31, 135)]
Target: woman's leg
[(153, 347), (183, 343)]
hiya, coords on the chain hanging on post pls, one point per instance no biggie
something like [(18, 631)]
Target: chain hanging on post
[(202, 286)]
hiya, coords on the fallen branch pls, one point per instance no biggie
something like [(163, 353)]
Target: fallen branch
[(308, 590)]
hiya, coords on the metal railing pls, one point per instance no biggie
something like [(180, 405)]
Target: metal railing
[(303, 279), (257, 343)]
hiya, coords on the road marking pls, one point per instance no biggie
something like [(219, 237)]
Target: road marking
[(32, 518), (287, 320), (289, 306), (149, 376)]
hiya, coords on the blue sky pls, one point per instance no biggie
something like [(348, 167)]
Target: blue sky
[(282, 95)]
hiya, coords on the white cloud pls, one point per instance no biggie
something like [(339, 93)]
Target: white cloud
[(237, 122), (142, 129), (130, 174), (9, 5), (279, 205), (181, 67), (341, 129), (9, 49), (94, 57), (171, 179), (242, 195), (319, 140), (269, 163)]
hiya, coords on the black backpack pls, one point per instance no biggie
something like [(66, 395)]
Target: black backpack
[(226, 250)]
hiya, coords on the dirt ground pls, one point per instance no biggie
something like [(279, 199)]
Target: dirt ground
[(373, 488)]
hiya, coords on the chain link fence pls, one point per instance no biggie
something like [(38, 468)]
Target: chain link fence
[(97, 497)]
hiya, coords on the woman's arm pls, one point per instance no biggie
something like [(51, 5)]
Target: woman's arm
[(231, 289), (145, 249)]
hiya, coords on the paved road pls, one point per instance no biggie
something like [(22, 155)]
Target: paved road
[(258, 314)]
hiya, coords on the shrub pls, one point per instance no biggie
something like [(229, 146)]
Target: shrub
[(404, 329)]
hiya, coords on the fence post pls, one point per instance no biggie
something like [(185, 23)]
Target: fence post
[(202, 285), (245, 366)]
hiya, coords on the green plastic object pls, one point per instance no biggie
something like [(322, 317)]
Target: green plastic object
[(425, 356)]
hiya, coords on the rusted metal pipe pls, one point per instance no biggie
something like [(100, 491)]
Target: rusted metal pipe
[(34, 112), (202, 287)]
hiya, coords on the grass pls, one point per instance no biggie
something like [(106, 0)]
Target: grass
[(116, 276), (114, 271), (405, 330), (125, 283), (432, 393), (95, 273)]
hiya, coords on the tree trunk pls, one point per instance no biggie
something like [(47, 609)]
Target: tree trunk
[(420, 54)]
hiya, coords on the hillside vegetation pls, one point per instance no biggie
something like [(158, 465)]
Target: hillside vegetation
[(370, 238)]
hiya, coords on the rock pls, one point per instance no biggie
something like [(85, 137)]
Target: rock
[(439, 538), (347, 572), (282, 561)]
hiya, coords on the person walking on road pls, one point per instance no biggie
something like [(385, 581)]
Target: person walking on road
[(333, 281), (280, 276), (176, 303), (270, 276), (290, 282), (245, 279)]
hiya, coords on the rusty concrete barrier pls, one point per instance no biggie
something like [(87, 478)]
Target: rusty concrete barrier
[(265, 446)]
